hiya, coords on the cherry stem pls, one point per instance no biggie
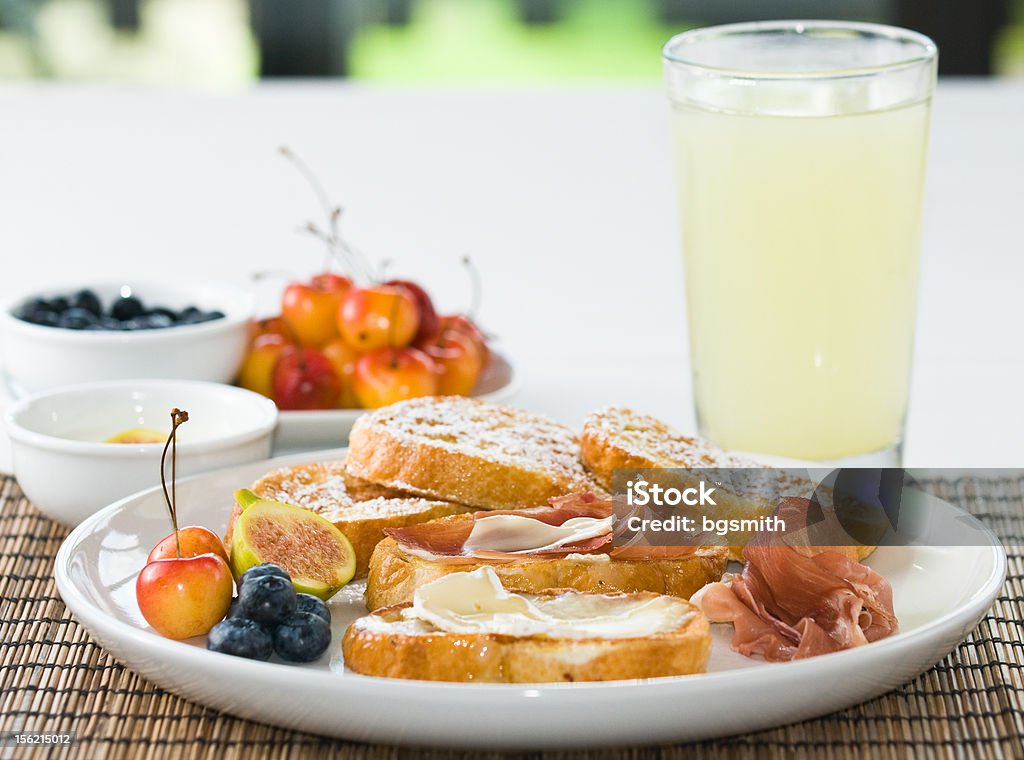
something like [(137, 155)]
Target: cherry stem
[(311, 178), (338, 250), (475, 286), (178, 418)]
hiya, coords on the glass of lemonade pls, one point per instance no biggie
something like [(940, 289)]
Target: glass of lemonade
[(800, 151)]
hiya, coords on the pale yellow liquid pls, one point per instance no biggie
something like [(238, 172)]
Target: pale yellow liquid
[(801, 242)]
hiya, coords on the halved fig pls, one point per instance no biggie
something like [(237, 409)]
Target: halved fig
[(317, 556)]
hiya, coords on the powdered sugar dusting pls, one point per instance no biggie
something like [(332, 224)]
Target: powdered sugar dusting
[(501, 434), (320, 487), (644, 436)]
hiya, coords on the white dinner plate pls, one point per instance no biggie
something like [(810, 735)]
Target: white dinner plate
[(940, 595), (306, 431)]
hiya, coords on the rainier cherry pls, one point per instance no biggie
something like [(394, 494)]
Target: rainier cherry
[(305, 379), (459, 361), (466, 326), (257, 372), (180, 595), (428, 323), (310, 310), (343, 358), (190, 542), (387, 375), (268, 326), (371, 318)]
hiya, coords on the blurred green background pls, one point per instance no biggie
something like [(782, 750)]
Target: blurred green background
[(229, 43)]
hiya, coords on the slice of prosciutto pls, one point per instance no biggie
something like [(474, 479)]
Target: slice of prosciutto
[(445, 540), (788, 604)]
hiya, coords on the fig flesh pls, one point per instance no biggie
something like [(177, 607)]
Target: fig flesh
[(317, 556)]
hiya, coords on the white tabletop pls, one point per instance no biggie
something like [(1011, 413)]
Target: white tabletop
[(563, 197)]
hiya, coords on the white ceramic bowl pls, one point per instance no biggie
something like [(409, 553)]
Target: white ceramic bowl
[(64, 467), (38, 357)]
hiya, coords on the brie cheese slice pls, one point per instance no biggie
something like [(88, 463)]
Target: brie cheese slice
[(476, 603), (519, 534)]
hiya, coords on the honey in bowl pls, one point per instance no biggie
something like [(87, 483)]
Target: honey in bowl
[(137, 435)]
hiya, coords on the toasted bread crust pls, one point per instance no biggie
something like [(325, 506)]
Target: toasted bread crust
[(321, 488), (395, 574), (441, 656), (618, 438), (468, 452)]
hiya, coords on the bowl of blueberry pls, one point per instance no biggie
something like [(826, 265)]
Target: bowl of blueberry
[(124, 330)]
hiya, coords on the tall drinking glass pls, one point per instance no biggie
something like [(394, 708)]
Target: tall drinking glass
[(800, 152)]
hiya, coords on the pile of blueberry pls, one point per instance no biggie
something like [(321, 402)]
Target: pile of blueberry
[(84, 311), (268, 616)]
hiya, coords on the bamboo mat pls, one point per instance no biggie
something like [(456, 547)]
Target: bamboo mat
[(53, 678)]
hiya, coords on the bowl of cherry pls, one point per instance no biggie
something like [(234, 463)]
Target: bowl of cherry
[(339, 347), (111, 331)]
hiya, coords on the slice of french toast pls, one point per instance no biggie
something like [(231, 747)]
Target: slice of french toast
[(388, 643), (619, 438), (467, 451), (396, 572), (320, 487)]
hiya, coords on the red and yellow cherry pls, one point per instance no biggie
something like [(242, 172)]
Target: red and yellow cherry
[(257, 372), (184, 597), (268, 326), (459, 361), (428, 322), (371, 318), (310, 310), (331, 282), (343, 358), (193, 541), (463, 324), (305, 379), (386, 375)]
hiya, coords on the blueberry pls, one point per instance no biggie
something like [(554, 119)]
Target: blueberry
[(233, 609), (32, 307), (88, 300), (172, 318), (313, 605), (60, 304), (303, 637), (76, 319), (146, 322), (127, 308), (157, 321), (267, 599), (109, 323), (194, 316), (256, 571), (242, 638), (40, 316)]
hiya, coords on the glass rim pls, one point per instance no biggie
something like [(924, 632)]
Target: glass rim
[(927, 50)]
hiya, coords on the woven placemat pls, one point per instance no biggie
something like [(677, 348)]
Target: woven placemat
[(54, 678)]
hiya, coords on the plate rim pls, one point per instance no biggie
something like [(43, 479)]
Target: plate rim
[(979, 600)]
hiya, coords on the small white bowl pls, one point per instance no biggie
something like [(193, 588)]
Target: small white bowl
[(37, 357), (65, 468)]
